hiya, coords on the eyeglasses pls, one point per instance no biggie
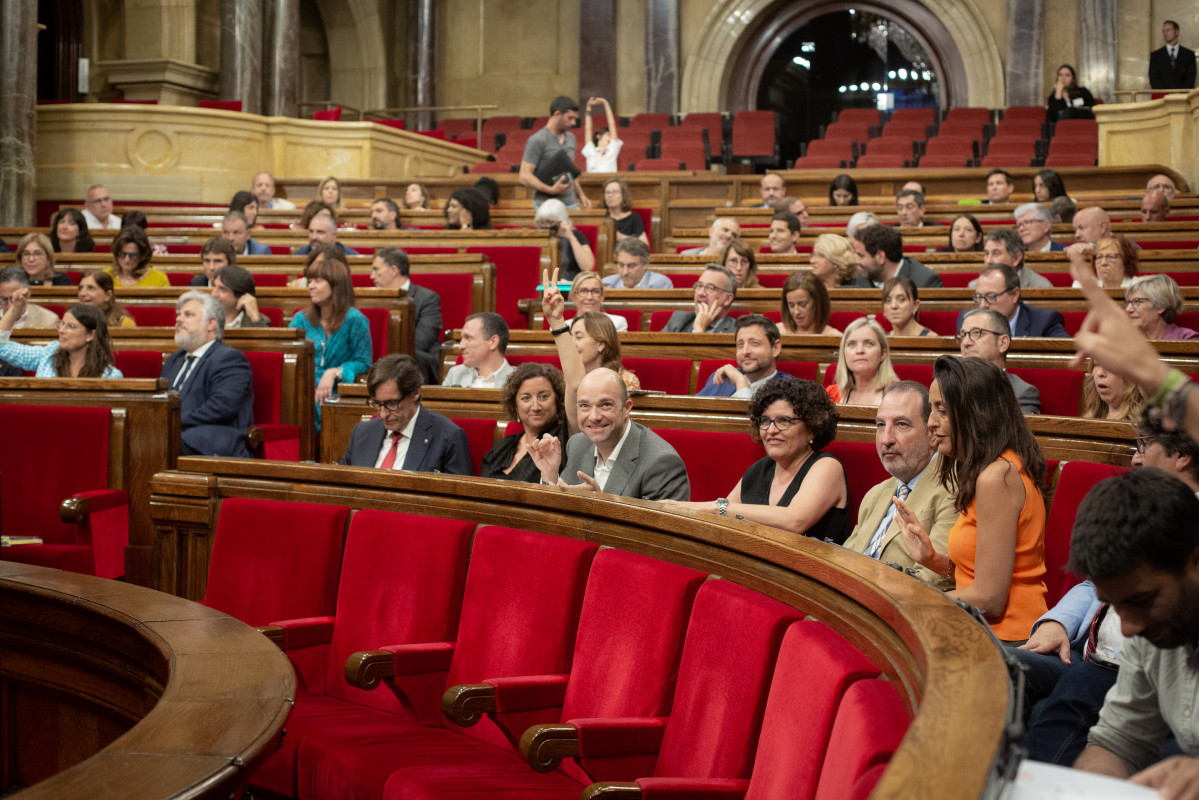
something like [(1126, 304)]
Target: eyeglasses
[(67, 326), (33, 254), (708, 287), (1143, 443), (991, 297), (1136, 302), (589, 292), (391, 405), (974, 334), (780, 423), (127, 256), (1108, 257), (1025, 223)]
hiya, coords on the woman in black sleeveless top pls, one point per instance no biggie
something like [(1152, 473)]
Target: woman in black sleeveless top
[(796, 487)]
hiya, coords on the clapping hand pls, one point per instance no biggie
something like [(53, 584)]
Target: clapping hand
[(547, 455)]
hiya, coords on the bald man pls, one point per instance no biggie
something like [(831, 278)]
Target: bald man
[(612, 453), (1155, 207), (1091, 225)]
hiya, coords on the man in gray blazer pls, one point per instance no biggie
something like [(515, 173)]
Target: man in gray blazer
[(611, 453), (985, 333), (901, 438), (714, 293)]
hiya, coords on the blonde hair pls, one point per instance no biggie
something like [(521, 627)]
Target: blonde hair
[(838, 250), (886, 373), (1094, 406)]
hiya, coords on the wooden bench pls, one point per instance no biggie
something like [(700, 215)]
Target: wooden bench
[(918, 639)]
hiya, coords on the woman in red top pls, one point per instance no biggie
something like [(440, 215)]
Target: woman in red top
[(993, 464)]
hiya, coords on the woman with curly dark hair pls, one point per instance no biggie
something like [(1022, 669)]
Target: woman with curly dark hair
[(69, 233), (467, 210), (535, 396), (796, 487), (993, 465)]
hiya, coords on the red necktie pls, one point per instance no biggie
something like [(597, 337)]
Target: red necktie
[(389, 460), (1093, 634)]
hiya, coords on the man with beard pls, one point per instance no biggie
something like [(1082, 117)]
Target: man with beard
[(902, 441), (758, 348), (385, 215), (213, 381)]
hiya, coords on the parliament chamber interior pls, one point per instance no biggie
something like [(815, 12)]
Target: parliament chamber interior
[(204, 592)]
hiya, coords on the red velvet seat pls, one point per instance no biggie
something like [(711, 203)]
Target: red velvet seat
[(942, 323), (280, 442), (670, 375), (882, 161), (273, 560), (862, 468), (401, 581), (520, 612), (220, 105), (378, 320), (1061, 389), (945, 160), (517, 275), (871, 722), (153, 316), (715, 460), (480, 434), (754, 136), (139, 363), (329, 115), (1075, 479), (71, 445), (841, 319)]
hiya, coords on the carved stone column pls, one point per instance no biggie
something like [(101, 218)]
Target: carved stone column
[(241, 53), (18, 110), (422, 62), (1025, 52), (281, 72), (661, 56), (1098, 46)]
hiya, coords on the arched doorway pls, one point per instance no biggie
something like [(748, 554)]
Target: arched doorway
[(737, 38), (843, 59)]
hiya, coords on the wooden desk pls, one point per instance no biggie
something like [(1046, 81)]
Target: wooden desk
[(114, 692)]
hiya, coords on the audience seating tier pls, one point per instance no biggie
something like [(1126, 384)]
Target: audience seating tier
[(884, 615)]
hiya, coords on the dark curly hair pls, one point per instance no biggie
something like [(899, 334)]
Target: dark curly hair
[(527, 371), (810, 402)]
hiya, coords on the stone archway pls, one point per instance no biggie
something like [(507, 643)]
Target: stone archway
[(738, 36)]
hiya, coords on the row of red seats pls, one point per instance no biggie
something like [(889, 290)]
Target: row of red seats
[(620, 653)]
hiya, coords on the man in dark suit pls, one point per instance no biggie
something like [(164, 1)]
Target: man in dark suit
[(236, 228), (611, 453), (405, 435), (1034, 223), (1172, 66), (214, 381), (714, 293), (216, 254), (999, 288), (880, 256), (390, 270)]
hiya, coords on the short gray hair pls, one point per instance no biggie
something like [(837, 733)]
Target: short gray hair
[(1036, 209), (999, 320), (210, 309), (728, 273), (552, 209), (859, 220), (1161, 290)]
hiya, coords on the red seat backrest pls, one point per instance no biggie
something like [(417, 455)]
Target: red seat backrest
[(139, 363), (1061, 389), (160, 316), (267, 376), (1074, 481), (805, 370), (715, 460), (921, 373), (841, 319), (871, 722), (863, 469), (480, 434), (330, 115), (732, 643), (943, 323), (220, 105), (517, 275), (454, 289), (670, 375), (815, 668), (378, 319), (275, 560), (71, 445)]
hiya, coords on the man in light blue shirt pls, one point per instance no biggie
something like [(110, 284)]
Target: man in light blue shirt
[(633, 272)]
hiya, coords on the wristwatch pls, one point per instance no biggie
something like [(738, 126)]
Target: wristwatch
[(722, 506), (556, 332)]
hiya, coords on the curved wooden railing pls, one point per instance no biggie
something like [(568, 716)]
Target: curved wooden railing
[(946, 666), (109, 690)]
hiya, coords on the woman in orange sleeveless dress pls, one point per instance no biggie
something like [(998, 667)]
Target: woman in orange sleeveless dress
[(994, 466)]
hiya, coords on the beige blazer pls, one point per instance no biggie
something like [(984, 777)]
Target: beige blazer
[(932, 503)]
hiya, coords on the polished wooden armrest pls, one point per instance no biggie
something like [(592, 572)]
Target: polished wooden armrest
[(544, 746), (254, 438), (467, 703), (75, 510), (365, 669), (612, 791), (274, 633)]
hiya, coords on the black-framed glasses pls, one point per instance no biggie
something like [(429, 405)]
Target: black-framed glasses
[(1143, 443), (708, 287), (391, 405), (991, 297), (134, 256), (974, 334), (780, 423)]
